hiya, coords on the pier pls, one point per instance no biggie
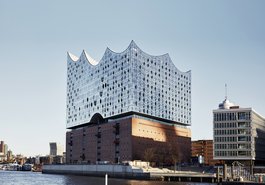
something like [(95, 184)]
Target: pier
[(184, 177)]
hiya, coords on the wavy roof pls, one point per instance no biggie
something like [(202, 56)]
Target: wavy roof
[(132, 45)]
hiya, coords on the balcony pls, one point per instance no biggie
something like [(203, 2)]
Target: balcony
[(243, 124), (242, 146), (242, 132), (242, 138)]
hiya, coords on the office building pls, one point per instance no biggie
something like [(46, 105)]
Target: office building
[(2, 146), (3, 151), (56, 149), (107, 100), (9, 155), (239, 134)]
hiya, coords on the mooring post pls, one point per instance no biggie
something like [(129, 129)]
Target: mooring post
[(106, 179), (225, 172), (232, 171), (251, 169), (218, 174)]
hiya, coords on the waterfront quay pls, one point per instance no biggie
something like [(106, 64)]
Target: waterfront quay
[(130, 172), (121, 171), (33, 178)]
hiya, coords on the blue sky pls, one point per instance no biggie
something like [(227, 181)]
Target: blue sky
[(219, 41)]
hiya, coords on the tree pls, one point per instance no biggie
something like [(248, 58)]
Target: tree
[(174, 155), (149, 154)]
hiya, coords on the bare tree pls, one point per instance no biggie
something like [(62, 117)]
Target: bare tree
[(149, 155), (174, 155)]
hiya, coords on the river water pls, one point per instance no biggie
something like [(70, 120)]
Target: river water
[(36, 178)]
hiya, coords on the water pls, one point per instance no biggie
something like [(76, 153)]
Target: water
[(34, 178)]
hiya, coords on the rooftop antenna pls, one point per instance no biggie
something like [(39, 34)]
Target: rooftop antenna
[(225, 91)]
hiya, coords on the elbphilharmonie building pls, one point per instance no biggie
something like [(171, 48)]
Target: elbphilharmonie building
[(128, 81), (132, 86)]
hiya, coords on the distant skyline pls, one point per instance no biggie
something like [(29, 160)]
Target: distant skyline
[(221, 42)]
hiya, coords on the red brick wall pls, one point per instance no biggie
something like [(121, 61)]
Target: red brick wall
[(164, 140), (89, 145), (135, 136), (205, 149)]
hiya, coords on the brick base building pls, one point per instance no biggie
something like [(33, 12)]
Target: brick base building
[(127, 137), (204, 148)]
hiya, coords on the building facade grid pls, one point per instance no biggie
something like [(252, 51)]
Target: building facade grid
[(239, 134), (128, 81)]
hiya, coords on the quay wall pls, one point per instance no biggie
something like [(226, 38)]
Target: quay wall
[(120, 171)]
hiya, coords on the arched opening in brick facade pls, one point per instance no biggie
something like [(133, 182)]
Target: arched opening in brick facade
[(97, 118)]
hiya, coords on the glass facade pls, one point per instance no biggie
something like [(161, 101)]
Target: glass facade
[(128, 81)]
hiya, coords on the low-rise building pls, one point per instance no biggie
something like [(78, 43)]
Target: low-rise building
[(203, 149)]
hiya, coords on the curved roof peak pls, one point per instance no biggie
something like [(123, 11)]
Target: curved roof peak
[(89, 58), (134, 46), (132, 43), (72, 57)]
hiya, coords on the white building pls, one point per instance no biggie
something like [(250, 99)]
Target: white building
[(239, 133), (130, 81), (56, 149)]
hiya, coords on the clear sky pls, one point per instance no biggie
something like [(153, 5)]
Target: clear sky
[(219, 41)]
